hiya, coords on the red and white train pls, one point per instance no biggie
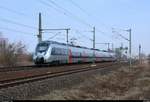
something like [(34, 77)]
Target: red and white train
[(54, 52)]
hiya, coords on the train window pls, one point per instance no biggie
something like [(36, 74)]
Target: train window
[(42, 47), (59, 51), (64, 52), (76, 54), (53, 51)]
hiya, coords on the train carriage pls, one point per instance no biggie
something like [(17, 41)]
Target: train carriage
[(55, 52)]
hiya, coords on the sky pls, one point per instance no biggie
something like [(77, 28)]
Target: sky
[(19, 21)]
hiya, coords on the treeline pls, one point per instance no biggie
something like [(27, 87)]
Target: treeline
[(148, 58), (11, 54)]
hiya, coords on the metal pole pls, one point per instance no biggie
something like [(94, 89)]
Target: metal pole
[(40, 28), (122, 45), (130, 45), (122, 49), (112, 47), (67, 36), (139, 54), (93, 45), (130, 51), (67, 31), (108, 46), (94, 38)]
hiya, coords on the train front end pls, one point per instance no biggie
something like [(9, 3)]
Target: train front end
[(42, 54)]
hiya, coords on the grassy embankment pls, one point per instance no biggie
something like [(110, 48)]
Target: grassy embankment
[(124, 83)]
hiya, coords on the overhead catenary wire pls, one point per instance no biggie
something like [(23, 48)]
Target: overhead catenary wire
[(88, 38), (106, 34), (18, 31), (120, 35), (70, 14), (55, 35), (61, 8), (83, 10), (75, 4), (19, 13), (78, 6), (84, 36), (49, 5), (13, 11), (67, 13), (17, 23)]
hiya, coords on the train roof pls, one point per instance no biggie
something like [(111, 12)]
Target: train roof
[(55, 42)]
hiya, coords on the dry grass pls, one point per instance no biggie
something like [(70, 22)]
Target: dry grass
[(120, 84)]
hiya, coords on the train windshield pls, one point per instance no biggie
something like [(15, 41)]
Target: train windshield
[(42, 47)]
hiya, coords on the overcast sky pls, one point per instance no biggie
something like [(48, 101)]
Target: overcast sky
[(19, 21)]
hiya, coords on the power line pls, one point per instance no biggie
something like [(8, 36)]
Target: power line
[(49, 5), (13, 30), (83, 10), (98, 30), (15, 12), (59, 10), (84, 36), (16, 23), (60, 38), (12, 11), (89, 15), (72, 15), (86, 13), (75, 4), (77, 18), (106, 34), (69, 14), (113, 31), (55, 35)]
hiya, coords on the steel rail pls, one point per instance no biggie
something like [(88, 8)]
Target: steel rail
[(30, 67), (18, 81)]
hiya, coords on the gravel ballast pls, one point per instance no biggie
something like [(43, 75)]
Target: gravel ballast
[(39, 88)]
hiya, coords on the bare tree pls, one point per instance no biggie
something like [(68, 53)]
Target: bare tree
[(10, 52), (148, 58)]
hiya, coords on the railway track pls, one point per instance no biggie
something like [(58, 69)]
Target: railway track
[(16, 68), (21, 80), (30, 67)]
